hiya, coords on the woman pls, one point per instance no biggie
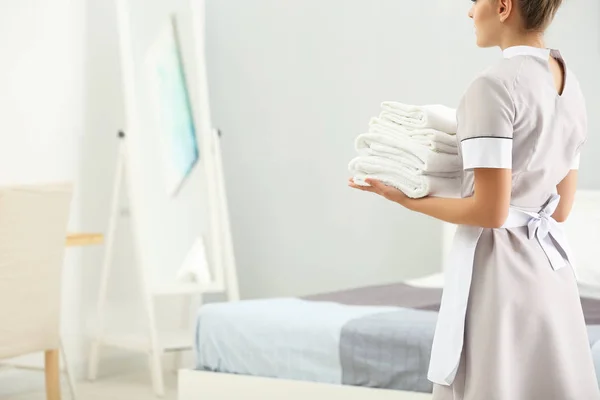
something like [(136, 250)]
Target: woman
[(511, 325)]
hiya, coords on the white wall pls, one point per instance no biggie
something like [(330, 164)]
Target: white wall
[(42, 86), (41, 81), (292, 86)]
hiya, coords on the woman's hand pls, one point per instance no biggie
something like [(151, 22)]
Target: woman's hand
[(382, 189)]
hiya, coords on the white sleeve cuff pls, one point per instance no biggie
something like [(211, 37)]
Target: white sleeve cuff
[(575, 164), (487, 152)]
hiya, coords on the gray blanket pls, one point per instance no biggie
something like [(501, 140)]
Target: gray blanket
[(389, 350), (402, 295)]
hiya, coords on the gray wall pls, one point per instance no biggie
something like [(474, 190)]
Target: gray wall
[(293, 83)]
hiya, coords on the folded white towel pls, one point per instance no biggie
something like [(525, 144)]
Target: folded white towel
[(436, 140), (401, 150), (431, 186), (414, 186), (435, 116)]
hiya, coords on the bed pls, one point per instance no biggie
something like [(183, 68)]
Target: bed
[(370, 341)]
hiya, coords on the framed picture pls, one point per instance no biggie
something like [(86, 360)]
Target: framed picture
[(176, 128)]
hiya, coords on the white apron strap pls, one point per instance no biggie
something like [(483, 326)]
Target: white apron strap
[(546, 230)]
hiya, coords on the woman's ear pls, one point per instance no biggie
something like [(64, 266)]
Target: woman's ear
[(504, 9)]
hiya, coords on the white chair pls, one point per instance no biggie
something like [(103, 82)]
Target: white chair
[(33, 228)]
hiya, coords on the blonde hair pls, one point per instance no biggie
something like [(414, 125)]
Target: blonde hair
[(538, 14)]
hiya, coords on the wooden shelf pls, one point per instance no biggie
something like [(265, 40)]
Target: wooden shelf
[(84, 239)]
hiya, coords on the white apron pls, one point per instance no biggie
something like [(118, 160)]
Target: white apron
[(449, 334)]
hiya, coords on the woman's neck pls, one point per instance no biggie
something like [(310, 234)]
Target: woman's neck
[(527, 39)]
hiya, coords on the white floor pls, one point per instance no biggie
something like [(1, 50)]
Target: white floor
[(121, 385), (18, 385)]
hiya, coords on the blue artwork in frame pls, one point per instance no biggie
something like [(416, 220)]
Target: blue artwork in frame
[(176, 128)]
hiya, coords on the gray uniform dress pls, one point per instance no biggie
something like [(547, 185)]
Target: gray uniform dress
[(524, 333)]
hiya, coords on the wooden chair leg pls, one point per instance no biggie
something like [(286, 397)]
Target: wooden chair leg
[(68, 371), (52, 369)]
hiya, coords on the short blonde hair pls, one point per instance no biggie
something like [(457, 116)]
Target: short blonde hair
[(538, 14)]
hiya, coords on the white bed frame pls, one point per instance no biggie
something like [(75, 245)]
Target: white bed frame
[(583, 229), (195, 385)]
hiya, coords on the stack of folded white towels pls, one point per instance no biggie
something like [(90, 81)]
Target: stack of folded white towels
[(412, 148)]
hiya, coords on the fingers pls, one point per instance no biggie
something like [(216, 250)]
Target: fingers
[(369, 181), (363, 188), (379, 186)]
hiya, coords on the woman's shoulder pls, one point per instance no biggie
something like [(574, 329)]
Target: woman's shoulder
[(519, 77), (501, 74), (491, 82)]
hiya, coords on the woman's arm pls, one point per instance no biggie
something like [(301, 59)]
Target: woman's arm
[(566, 189), (487, 208)]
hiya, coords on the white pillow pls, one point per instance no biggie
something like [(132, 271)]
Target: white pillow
[(583, 233)]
